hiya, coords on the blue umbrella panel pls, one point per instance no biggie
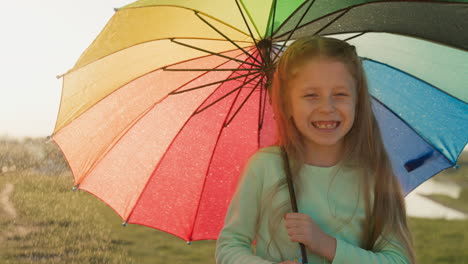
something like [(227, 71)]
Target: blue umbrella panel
[(424, 129)]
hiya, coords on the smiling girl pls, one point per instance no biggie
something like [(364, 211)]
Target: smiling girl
[(351, 207)]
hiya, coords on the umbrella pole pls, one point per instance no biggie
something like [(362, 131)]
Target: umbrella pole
[(265, 47), (292, 196)]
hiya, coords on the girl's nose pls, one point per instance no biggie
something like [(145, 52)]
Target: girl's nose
[(327, 104)]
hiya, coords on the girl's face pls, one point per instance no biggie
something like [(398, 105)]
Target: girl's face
[(323, 102)]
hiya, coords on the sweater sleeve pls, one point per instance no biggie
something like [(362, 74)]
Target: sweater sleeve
[(391, 253), (234, 244)]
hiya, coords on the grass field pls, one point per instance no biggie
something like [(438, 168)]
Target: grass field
[(57, 225), (53, 224)]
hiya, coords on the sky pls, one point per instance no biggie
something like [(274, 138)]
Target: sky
[(40, 40)]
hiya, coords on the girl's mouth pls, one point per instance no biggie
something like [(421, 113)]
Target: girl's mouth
[(326, 124)]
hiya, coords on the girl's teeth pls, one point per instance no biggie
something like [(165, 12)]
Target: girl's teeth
[(326, 125)]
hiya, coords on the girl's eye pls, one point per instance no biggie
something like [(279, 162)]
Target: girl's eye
[(310, 95), (341, 94)]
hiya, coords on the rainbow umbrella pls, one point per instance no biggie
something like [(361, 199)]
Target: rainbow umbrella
[(161, 112)]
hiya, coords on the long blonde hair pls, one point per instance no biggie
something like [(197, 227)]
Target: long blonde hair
[(363, 145)]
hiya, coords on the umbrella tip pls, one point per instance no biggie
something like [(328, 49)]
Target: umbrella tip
[(124, 224), (116, 9), (456, 166), (75, 188), (189, 243)]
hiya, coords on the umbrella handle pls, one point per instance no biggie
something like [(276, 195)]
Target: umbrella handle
[(292, 196)]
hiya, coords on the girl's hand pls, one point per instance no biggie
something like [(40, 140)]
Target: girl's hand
[(303, 229)]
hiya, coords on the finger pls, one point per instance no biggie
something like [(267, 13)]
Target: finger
[(293, 231), (299, 238), (289, 216), (298, 227), (295, 215), (300, 235), (296, 222)]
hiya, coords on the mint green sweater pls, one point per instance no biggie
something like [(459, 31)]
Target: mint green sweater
[(330, 195)]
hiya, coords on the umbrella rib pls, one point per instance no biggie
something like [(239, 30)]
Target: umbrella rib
[(212, 83), (296, 27), (205, 56), (197, 87), (211, 52), (215, 68), (226, 95), (324, 27), (175, 90), (260, 122), (136, 44), (266, 94), (273, 18), (244, 82), (211, 160), (243, 102), (355, 36), (289, 17), (312, 21), (263, 107), (331, 22), (260, 117), (275, 48), (248, 27), (224, 36), (237, 69), (400, 34)]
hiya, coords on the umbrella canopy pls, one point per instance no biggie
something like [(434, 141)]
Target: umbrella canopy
[(162, 111)]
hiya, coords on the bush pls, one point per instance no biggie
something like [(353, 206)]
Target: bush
[(31, 153)]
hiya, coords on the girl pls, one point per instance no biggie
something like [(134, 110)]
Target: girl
[(350, 203)]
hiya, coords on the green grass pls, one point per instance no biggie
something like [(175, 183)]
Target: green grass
[(440, 241), (57, 225)]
